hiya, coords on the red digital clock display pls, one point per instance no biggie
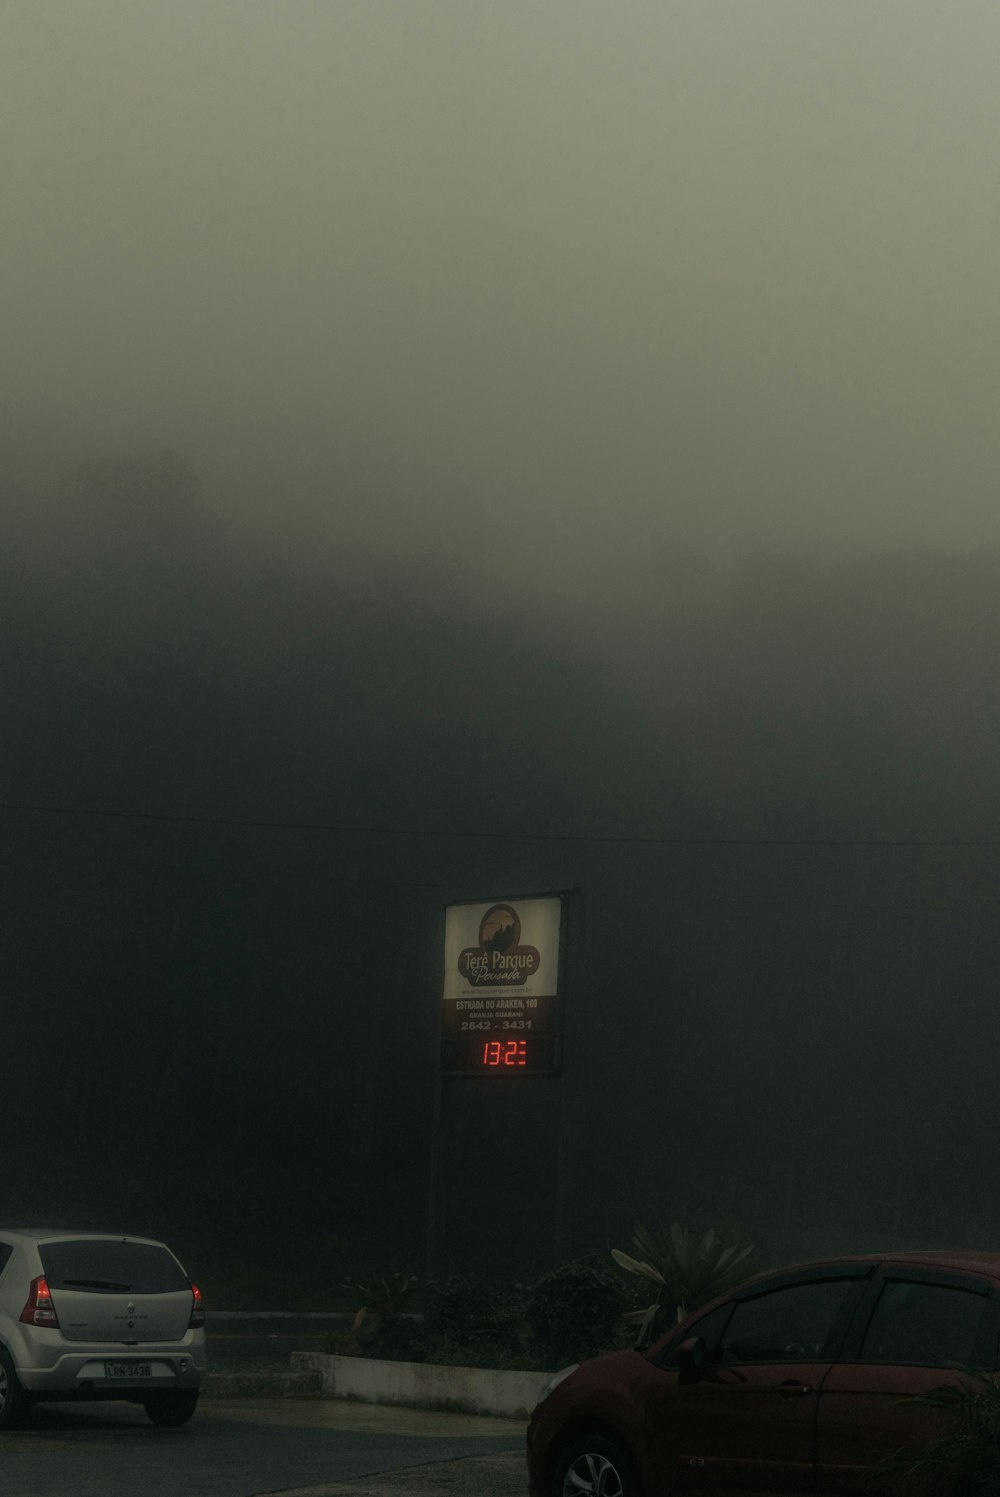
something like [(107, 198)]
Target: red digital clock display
[(505, 1053), (498, 1054)]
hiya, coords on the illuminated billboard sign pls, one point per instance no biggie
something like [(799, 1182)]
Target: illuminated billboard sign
[(502, 988)]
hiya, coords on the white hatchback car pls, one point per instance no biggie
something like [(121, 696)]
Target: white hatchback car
[(89, 1315)]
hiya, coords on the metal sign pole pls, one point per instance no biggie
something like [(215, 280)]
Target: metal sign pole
[(435, 1187), (570, 932)]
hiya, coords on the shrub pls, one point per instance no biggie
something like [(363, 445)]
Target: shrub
[(966, 1454), (575, 1311), (458, 1306), (468, 1319), (381, 1329), (384, 1298)]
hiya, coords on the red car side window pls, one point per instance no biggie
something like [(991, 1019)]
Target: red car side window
[(923, 1325), (793, 1324)]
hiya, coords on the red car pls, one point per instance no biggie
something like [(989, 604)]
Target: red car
[(790, 1383)]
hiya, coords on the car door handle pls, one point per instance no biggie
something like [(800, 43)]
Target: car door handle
[(792, 1389)]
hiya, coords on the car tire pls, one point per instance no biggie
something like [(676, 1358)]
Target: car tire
[(170, 1409), (596, 1466), (12, 1397)]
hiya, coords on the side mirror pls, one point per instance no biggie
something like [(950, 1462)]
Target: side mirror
[(689, 1359)]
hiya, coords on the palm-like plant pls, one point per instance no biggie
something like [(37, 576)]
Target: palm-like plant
[(969, 1448), (382, 1299), (688, 1270)]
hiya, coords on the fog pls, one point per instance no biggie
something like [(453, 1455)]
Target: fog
[(608, 277), (455, 451)]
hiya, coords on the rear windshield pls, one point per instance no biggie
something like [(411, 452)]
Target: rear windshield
[(111, 1266)]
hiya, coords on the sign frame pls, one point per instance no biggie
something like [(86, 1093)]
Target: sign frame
[(500, 994)]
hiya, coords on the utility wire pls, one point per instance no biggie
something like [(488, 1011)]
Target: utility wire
[(482, 836)]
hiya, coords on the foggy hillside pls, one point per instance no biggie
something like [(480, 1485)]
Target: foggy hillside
[(199, 669)]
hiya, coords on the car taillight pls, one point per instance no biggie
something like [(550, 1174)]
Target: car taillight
[(39, 1310), (197, 1309)]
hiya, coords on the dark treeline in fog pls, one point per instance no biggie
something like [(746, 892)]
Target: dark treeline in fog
[(222, 1028), (202, 669)]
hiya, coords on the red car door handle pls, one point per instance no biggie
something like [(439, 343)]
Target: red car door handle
[(792, 1389)]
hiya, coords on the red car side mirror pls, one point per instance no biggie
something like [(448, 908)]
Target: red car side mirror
[(690, 1358)]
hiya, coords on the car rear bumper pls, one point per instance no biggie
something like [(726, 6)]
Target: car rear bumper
[(100, 1374)]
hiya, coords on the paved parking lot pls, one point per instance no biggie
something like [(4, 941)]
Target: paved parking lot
[(468, 1476), (262, 1446)]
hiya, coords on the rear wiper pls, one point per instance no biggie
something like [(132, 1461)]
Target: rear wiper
[(96, 1284)]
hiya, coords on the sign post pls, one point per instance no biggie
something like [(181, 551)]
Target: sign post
[(501, 1007)]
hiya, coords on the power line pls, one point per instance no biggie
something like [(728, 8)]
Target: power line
[(488, 836)]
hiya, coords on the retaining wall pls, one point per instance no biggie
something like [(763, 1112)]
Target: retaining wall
[(423, 1385)]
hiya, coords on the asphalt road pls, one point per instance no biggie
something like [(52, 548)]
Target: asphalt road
[(253, 1447)]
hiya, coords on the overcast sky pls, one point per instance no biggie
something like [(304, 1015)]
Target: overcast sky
[(552, 284)]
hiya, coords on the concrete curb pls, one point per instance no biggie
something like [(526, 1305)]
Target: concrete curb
[(423, 1385)]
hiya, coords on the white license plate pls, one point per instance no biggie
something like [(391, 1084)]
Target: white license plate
[(128, 1369)]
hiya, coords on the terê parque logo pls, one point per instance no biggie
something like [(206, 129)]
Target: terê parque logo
[(499, 961)]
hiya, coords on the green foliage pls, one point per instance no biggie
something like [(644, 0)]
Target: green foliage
[(471, 1321), (381, 1328), (686, 1270), (511, 1355), (574, 1311), (467, 1309), (969, 1448), (385, 1298)]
